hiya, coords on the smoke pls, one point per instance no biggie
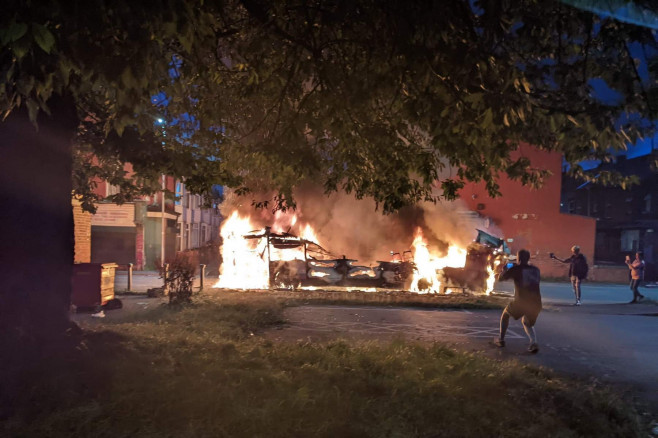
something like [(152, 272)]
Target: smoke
[(356, 229)]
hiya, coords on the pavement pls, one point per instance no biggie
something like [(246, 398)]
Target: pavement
[(605, 339)]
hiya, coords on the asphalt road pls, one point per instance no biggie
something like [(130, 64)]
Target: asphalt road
[(591, 293), (604, 339), (612, 343)]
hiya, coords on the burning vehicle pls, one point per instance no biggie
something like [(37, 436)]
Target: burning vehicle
[(262, 259), (314, 266), (482, 257)]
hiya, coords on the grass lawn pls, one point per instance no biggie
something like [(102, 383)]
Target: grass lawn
[(204, 371)]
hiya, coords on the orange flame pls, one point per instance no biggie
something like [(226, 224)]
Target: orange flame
[(425, 279), (491, 280), (244, 262)]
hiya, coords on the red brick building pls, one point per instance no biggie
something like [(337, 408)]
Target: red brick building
[(531, 219), (82, 233)]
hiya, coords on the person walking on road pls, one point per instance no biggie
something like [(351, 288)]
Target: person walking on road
[(527, 299), (637, 275), (577, 270)]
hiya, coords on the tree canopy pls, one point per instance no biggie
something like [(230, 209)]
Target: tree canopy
[(370, 97)]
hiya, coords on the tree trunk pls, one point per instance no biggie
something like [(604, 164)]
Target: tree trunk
[(36, 222)]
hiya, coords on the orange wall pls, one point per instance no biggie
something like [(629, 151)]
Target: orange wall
[(532, 218), (101, 185), (82, 233)]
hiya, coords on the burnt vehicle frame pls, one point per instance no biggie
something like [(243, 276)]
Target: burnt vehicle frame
[(482, 257), (321, 268)]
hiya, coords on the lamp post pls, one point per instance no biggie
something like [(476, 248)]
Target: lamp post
[(162, 224)]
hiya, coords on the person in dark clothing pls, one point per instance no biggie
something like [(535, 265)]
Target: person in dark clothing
[(577, 269), (527, 299), (637, 275)]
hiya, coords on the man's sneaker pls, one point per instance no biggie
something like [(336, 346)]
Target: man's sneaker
[(640, 298), (633, 301), (499, 342), (577, 302), (533, 348)]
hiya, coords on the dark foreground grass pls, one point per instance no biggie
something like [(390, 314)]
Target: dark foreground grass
[(205, 371)]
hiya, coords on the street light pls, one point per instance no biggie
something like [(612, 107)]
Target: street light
[(160, 121)]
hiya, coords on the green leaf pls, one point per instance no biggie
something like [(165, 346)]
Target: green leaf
[(20, 48), (488, 119), (43, 37), (15, 31), (32, 109), (572, 120), (127, 78), (526, 85)]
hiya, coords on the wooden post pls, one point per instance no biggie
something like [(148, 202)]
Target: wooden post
[(165, 288), (130, 277), (202, 269)]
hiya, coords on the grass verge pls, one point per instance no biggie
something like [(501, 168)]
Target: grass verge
[(379, 298), (204, 371)]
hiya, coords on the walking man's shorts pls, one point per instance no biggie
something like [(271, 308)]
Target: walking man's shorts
[(530, 310)]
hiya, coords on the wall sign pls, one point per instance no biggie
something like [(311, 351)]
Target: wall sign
[(112, 215)]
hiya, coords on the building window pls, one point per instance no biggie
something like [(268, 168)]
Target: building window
[(195, 235), (112, 189), (630, 240), (203, 234), (186, 239), (179, 192), (647, 203)]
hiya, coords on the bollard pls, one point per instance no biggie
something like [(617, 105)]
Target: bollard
[(165, 288), (130, 277), (202, 273)]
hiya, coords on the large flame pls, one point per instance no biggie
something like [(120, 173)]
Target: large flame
[(428, 265), (491, 279), (244, 262)]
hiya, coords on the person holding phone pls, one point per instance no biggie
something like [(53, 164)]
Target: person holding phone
[(637, 275), (577, 270), (527, 299)]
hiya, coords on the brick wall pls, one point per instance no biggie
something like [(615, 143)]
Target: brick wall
[(611, 274), (139, 247), (82, 233)]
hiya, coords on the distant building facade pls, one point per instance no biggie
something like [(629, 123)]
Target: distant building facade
[(626, 220), (197, 224), (133, 232), (531, 219)]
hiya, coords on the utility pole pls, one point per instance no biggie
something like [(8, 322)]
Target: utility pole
[(162, 224)]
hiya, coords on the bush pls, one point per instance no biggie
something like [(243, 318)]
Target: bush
[(178, 278)]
